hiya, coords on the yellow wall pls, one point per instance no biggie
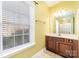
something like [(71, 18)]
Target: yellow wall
[(41, 27), (66, 5)]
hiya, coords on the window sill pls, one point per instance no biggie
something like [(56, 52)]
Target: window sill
[(8, 52)]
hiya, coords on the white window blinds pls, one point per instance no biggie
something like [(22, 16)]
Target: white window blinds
[(15, 24)]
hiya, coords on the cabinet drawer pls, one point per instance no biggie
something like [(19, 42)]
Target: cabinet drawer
[(54, 38), (68, 41), (60, 39)]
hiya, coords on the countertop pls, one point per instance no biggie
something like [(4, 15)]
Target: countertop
[(69, 36)]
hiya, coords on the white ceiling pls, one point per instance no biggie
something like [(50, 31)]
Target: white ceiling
[(51, 3)]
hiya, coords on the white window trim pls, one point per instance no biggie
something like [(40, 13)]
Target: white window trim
[(12, 51), (7, 52)]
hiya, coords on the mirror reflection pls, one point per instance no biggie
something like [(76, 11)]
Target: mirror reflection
[(64, 22)]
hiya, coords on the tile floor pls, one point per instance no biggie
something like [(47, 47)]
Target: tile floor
[(46, 54)]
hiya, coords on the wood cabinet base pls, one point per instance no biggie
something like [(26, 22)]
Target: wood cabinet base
[(63, 46)]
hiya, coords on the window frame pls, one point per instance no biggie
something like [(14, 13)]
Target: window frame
[(11, 51)]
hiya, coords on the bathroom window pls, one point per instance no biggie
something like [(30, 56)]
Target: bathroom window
[(17, 25)]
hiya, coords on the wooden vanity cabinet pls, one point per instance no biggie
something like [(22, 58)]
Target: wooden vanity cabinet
[(50, 43), (63, 46)]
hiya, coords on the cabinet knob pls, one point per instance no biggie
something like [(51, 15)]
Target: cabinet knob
[(70, 41)]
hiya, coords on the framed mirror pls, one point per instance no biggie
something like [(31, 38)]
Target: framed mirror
[(65, 23)]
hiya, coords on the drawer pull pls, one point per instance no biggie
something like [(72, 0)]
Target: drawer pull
[(70, 41)]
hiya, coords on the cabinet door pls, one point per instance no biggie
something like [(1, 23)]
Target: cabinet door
[(65, 50), (58, 40), (75, 48), (50, 43), (53, 44)]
